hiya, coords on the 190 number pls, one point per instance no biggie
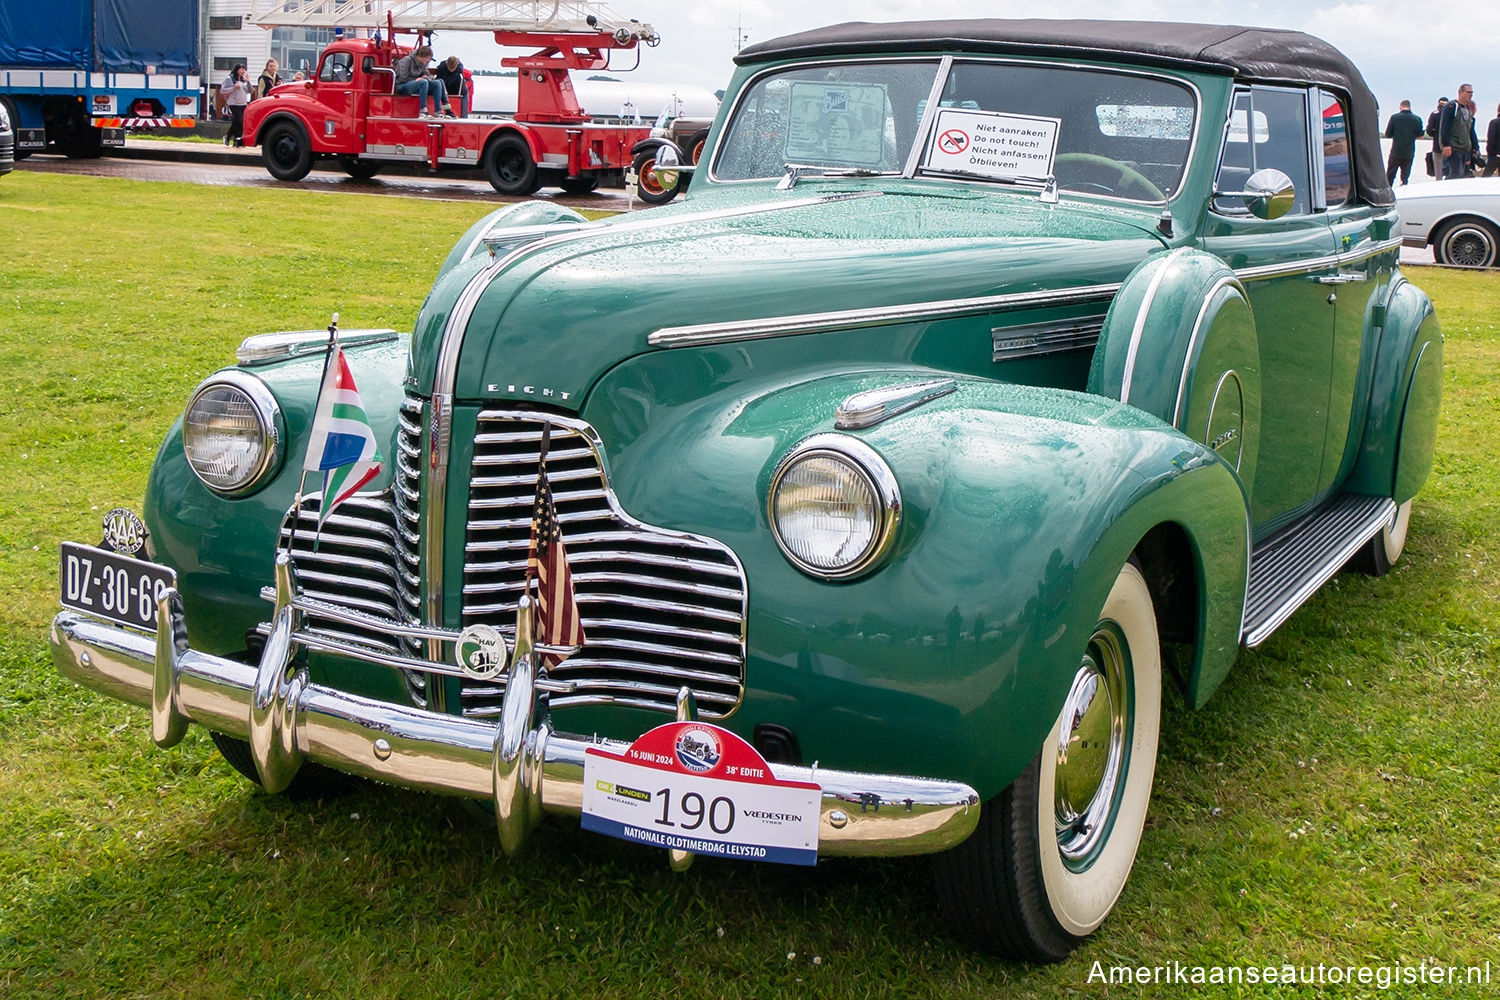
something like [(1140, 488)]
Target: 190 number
[(718, 811)]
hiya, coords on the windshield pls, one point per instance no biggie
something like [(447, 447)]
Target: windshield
[(1095, 131)]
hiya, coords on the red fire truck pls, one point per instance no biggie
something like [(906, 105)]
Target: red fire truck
[(349, 110)]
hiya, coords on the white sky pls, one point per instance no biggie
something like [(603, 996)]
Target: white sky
[(1406, 49)]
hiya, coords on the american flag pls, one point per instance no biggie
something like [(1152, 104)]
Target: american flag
[(558, 623)]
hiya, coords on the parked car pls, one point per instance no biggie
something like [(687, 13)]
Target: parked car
[(686, 138), (1458, 219), (992, 376), (7, 143)]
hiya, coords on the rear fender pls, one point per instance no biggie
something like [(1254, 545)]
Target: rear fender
[(1400, 437), (1019, 507), (1180, 342)]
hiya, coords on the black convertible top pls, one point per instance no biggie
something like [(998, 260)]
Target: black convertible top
[(1262, 54)]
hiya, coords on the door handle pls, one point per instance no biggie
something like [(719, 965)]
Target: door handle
[(1342, 278)]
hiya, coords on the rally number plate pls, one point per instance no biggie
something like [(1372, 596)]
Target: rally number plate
[(690, 786), (108, 585)]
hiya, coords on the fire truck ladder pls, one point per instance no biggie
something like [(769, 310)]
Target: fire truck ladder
[(559, 17)]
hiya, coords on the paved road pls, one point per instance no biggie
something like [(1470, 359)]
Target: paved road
[(205, 163)]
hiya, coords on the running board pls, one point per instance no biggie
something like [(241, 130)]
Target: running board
[(1288, 568)]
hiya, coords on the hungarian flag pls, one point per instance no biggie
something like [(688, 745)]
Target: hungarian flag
[(558, 623), (342, 446)]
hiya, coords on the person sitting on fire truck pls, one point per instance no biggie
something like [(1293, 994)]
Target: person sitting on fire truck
[(414, 76), (451, 73)]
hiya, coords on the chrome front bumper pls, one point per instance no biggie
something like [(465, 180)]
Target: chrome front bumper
[(521, 764)]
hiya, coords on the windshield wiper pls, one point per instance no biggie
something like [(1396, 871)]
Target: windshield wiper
[(1048, 184), (796, 171)]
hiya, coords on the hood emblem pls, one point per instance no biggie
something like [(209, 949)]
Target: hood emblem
[(540, 391)]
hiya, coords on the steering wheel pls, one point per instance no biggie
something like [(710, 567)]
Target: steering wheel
[(1106, 175)]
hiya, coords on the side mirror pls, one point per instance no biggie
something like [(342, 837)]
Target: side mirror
[(1268, 194)]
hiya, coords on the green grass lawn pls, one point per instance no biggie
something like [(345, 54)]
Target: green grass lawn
[(1337, 802)]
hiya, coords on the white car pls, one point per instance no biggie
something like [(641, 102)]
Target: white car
[(1459, 219)]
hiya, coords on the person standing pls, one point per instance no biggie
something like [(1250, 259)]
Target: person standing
[(1402, 130), (268, 78), (1456, 134), (236, 93), (451, 72), (414, 76), (1492, 147), (1435, 158)]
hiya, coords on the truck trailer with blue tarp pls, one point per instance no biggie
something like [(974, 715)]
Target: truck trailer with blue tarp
[(75, 74)]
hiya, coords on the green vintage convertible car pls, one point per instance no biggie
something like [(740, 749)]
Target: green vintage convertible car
[(993, 376)]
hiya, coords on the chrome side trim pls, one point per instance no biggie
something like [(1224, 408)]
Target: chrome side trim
[(1187, 360), (1035, 340), (870, 815), (866, 409), (847, 319), (1316, 263), (1140, 322), (440, 417)]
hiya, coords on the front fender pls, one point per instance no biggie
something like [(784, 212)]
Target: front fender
[(1400, 437), (222, 547), (656, 142), (1021, 505)]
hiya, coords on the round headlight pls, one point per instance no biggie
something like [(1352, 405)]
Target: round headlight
[(229, 432), (834, 506)]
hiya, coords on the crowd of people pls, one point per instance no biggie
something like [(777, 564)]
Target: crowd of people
[(1454, 134)]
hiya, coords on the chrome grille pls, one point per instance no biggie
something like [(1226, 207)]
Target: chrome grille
[(661, 609), (351, 562), (406, 497)]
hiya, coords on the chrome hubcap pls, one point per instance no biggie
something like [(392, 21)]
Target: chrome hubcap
[(1091, 749), (1470, 248)]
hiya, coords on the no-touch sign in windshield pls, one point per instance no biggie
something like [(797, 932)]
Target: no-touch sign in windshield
[(993, 144)]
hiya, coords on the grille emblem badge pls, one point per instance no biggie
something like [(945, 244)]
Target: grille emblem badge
[(481, 652)]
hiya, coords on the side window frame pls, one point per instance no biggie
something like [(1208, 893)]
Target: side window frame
[(1317, 98), (1312, 165)]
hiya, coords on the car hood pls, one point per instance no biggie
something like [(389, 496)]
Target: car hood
[(1465, 187), (548, 321)]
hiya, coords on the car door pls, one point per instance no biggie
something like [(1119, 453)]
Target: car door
[(1281, 263), (1365, 267), (335, 90)]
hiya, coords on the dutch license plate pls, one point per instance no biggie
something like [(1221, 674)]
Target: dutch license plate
[(690, 786), (108, 585)]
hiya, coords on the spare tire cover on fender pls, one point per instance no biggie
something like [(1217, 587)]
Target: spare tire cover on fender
[(1180, 343)]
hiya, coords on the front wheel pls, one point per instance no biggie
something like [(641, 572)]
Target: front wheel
[(509, 167), (360, 170), (1467, 243), (1053, 851), (286, 151), (648, 185), (580, 185), (312, 781)]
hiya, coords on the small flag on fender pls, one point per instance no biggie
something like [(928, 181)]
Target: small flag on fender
[(342, 445), (558, 623)]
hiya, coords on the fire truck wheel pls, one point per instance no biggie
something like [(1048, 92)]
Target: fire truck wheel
[(649, 187), (361, 170), (509, 166), (579, 185), (286, 151)]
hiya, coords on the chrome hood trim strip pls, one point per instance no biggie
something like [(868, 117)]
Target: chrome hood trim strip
[(847, 319)]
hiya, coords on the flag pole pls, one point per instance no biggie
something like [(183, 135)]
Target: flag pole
[(333, 343)]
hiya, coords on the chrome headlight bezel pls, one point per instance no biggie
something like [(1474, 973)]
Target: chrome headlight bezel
[(269, 423), (863, 462)]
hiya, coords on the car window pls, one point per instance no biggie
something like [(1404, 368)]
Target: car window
[(338, 67), (1117, 134), (1280, 140), (1336, 176), (855, 115)]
